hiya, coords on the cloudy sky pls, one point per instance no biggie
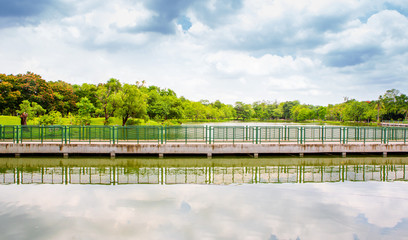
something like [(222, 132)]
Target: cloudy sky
[(315, 51)]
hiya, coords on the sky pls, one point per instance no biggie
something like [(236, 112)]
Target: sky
[(314, 51)]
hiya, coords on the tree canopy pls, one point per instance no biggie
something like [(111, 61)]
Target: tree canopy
[(32, 94)]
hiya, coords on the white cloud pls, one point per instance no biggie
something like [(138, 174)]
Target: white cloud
[(243, 63), (304, 48)]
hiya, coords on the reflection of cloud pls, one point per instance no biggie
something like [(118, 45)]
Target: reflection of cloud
[(307, 211)]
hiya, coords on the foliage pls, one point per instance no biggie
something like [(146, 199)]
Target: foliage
[(32, 94), (52, 118), (131, 103), (85, 109), (32, 109), (106, 96), (244, 111)]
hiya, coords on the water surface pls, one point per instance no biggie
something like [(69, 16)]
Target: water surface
[(226, 198)]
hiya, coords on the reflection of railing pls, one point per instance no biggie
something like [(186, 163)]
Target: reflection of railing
[(201, 134), (202, 175)]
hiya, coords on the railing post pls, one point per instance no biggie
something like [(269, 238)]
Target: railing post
[(257, 135), (299, 135), (233, 135), (14, 134), (113, 134), (246, 133), (21, 134), (42, 133), (383, 135), (161, 134), (62, 128), (347, 134), (209, 134), (17, 134), (304, 135), (89, 133), (322, 132), (185, 134), (405, 135)]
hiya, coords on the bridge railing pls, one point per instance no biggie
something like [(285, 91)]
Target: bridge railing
[(202, 134)]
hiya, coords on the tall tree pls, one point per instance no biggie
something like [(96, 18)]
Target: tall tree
[(64, 97), (244, 111), (131, 103), (9, 95), (31, 110), (85, 109), (105, 94)]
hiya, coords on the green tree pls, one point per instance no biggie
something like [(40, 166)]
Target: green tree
[(85, 109), (32, 109), (64, 97), (105, 95), (244, 111), (321, 112), (89, 91), (287, 107), (52, 118), (131, 103), (355, 111), (9, 95)]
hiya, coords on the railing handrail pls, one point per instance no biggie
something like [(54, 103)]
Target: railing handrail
[(201, 133)]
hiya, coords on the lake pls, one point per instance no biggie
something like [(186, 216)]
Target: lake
[(196, 198)]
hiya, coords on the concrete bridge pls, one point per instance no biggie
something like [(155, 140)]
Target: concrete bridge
[(209, 150)]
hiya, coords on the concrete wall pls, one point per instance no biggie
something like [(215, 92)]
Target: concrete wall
[(191, 148)]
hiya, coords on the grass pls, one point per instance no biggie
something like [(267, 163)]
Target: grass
[(9, 120), (15, 120)]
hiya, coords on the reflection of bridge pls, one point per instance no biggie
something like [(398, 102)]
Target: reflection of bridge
[(201, 175)]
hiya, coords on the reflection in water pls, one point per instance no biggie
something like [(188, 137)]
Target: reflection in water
[(79, 207), (168, 174)]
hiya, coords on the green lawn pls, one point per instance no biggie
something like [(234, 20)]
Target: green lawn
[(9, 120), (14, 120)]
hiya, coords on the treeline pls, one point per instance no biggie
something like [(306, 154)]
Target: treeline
[(49, 101)]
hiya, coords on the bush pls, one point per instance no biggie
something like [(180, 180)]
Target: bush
[(134, 121), (52, 118)]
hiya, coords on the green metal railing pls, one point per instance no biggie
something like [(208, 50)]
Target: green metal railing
[(202, 134)]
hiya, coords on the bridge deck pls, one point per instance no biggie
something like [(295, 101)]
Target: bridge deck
[(201, 148)]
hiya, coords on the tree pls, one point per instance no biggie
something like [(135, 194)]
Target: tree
[(163, 104), (9, 96), (131, 103), (321, 112), (52, 118), (105, 94), (287, 107), (64, 97), (85, 109), (355, 111), (392, 103), (34, 89), (302, 112), (31, 110), (243, 110), (402, 102), (89, 91)]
